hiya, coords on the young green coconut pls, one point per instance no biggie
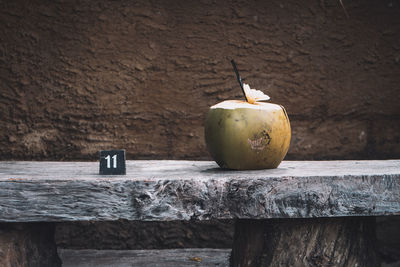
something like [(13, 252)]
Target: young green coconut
[(247, 135)]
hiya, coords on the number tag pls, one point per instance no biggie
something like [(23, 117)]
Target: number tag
[(112, 162)]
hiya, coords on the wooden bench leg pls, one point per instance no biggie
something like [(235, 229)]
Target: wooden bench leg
[(28, 244), (347, 241)]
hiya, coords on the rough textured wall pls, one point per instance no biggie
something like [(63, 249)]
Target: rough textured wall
[(80, 76)]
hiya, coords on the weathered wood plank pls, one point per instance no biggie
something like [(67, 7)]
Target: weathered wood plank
[(184, 190), (28, 244), (345, 241), (153, 258)]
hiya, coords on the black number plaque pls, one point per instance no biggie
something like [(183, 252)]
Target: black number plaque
[(112, 162)]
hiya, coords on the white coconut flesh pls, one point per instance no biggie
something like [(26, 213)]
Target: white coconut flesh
[(235, 104)]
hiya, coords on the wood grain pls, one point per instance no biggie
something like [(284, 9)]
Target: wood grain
[(28, 245), (345, 241), (153, 258), (188, 190)]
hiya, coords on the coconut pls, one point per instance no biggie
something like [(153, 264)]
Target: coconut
[(243, 136)]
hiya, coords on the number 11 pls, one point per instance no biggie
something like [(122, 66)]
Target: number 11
[(108, 158)]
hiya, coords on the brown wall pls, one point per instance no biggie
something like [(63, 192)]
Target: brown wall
[(80, 76)]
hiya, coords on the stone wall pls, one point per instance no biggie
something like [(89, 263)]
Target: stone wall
[(80, 76)]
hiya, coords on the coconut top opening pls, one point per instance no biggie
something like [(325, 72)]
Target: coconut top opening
[(234, 104)]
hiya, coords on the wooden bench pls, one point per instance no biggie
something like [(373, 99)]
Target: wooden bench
[(310, 213)]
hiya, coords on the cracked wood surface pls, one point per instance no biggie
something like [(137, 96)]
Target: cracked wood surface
[(184, 190)]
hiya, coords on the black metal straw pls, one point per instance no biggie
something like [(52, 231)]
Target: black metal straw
[(238, 78)]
